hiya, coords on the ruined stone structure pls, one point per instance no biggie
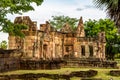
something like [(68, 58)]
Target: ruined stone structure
[(48, 43)]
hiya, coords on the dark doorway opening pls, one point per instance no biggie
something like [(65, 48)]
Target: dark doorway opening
[(83, 50)]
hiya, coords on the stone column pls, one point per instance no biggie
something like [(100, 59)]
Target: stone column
[(87, 50), (53, 55), (95, 48), (77, 49), (103, 51), (80, 52)]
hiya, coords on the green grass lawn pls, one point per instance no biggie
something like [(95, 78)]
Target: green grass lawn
[(102, 72)]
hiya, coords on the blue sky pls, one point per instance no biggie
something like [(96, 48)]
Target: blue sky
[(71, 8)]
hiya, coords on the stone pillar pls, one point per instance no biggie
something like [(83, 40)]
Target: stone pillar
[(51, 50), (95, 48), (11, 42), (77, 49), (103, 51), (87, 51), (79, 52), (102, 43), (53, 55)]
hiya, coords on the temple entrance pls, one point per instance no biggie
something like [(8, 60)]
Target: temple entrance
[(69, 51)]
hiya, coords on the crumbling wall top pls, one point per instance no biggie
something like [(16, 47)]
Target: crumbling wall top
[(66, 28), (27, 21)]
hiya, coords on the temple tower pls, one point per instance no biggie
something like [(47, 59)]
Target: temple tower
[(80, 29), (28, 43)]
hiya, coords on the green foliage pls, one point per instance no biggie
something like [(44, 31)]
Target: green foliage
[(17, 29), (59, 21), (3, 44), (112, 7), (92, 27), (14, 29), (107, 3), (14, 7)]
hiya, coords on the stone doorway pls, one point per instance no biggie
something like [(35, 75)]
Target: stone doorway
[(69, 51)]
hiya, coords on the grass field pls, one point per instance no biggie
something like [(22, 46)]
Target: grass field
[(102, 73)]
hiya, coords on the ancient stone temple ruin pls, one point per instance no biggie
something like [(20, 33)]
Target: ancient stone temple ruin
[(48, 43)]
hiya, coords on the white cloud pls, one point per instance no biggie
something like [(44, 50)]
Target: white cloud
[(67, 8), (3, 36)]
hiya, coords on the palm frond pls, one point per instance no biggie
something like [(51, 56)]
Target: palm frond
[(112, 7)]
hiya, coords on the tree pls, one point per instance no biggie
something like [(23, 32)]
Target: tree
[(112, 7), (14, 7), (92, 27), (59, 21), (3, 44)]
